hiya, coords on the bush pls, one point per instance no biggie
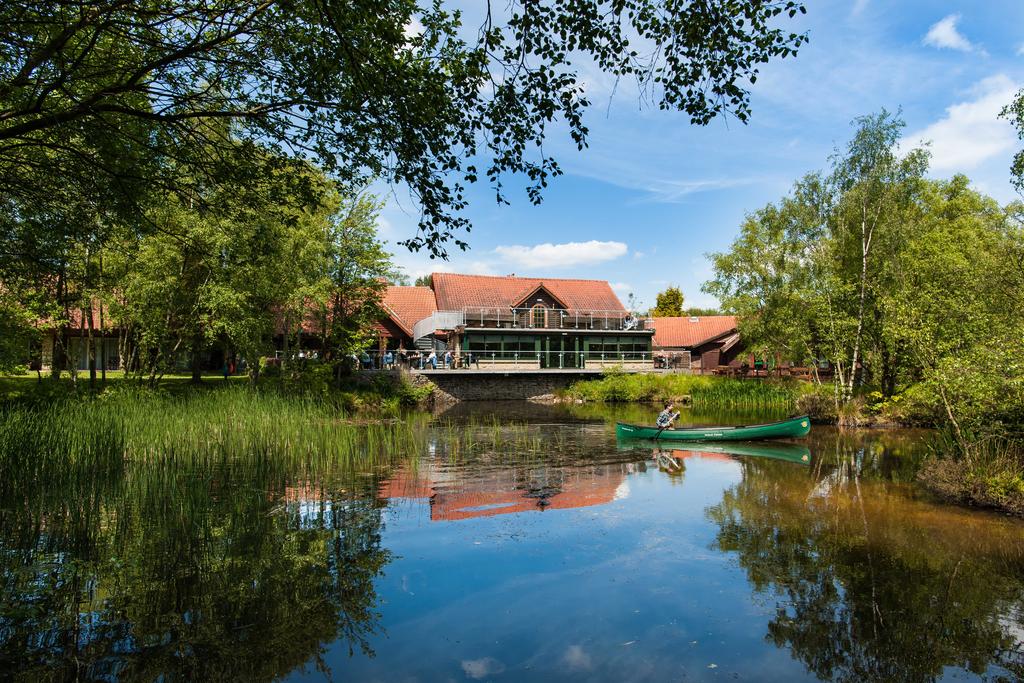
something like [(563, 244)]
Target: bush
[(989, 474), (703, 391)]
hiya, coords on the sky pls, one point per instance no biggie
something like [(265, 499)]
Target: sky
[(653, 195)]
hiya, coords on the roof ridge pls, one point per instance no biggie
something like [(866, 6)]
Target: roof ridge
[(525, 277)]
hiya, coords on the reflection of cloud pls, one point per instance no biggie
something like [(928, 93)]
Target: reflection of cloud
[(480, 668), (577, 659), (971, 132)]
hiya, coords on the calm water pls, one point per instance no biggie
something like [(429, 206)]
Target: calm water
[(536, 548)]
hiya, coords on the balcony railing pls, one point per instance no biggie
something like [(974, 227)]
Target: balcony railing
[(491, 360), (552, 319)]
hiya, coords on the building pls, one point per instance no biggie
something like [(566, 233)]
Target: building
[(520, 322), (404, 307), (700, 343)]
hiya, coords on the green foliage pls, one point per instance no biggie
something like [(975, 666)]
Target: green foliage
[(140, 425), (703, 391), (424, 281), (699, 312), (1014, 112), (668, 303), (99, 101), (911, 288), (17, 333)]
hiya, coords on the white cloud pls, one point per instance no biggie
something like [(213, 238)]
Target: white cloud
[(623, 288), (944, 34), (1020, 50), (671, 191), (858, 7), (577, 659), (564, 255), (971, 132)]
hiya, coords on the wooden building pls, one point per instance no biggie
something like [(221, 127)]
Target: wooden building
[(519, 322), (700, 343)]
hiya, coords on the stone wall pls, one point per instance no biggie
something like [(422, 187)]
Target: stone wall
[(496, 386)]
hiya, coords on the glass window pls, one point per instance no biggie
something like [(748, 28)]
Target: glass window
[(539, 315)]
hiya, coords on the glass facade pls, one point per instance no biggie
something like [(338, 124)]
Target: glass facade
[(557, 350)]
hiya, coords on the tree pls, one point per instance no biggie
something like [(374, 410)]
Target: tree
[(224, 271), (1014, 112), (425, 281), (358, 269), (104, 102), (807, 274), (869, 186), (764, 279), (953, 304), (668, 303), (697, 311)]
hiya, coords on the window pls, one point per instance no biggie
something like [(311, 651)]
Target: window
[(539, 315)]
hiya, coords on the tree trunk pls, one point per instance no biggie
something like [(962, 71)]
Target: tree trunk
[(103, 338), (196, 360), (865, 250), (91, 350)]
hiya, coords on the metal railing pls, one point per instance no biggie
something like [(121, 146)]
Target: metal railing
[(438, 320), (552, 319), (526, 360), (481, 360)]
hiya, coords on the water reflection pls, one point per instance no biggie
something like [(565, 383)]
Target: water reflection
[(460, 493), (869, 584), (186, 574), (538, 550)]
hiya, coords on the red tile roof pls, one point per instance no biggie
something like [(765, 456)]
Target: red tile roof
[(455, 292), (409, 305), (688, 332)]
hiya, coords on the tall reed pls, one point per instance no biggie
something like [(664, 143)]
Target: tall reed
[(703, 391)]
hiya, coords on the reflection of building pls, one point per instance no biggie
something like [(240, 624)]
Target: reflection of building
[(703, 455), (502, 491)]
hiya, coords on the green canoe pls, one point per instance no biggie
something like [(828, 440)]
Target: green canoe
[(787, 429)]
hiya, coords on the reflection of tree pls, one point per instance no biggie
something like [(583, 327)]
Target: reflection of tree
[(875, 586), (187, 572)]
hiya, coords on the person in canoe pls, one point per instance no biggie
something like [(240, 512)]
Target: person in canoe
[(666, 417)]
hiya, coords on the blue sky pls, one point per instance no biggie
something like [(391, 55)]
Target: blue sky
[(652, 194)]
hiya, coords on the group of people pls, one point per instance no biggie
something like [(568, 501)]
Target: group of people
[(390, 359), (447, 360)]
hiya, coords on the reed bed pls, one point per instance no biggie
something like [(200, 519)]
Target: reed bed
[(703, 391), (229, 424)]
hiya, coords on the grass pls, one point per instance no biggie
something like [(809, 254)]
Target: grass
[(989, 474), (103, 432), (703, 391), (383, 394)]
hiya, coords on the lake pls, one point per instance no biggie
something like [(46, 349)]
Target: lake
[(514, 542)]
